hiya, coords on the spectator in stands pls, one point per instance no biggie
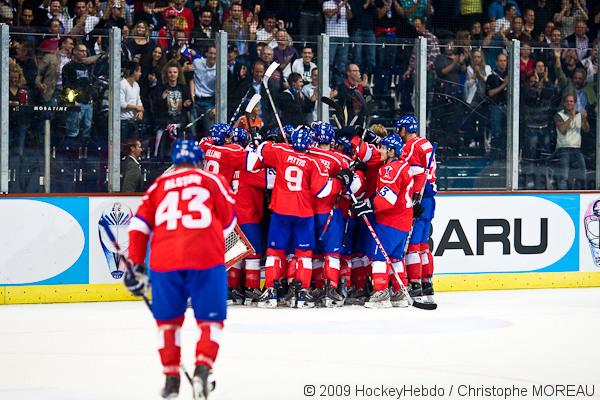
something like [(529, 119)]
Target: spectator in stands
[(302, 66), (584, 94), (363, 31), (252, 122), (65, 46), (284, 54), (311, 91), (76, 80), (6, 13), (48, 72), (203, 31), (152, 66), (354, 82), (18, 95), (570, 12), (475, 97), (497, 92), (132, 180), (545, 37), (494, 41), (570, 62), (337, 13), (254, 86), (167, 36), (55, 27), (139, 43), (113, 18), (517, 32), (591, 63), (132, 110), (526, 62), (594, 20), (529, 24), (238, 29), (184, 18), (416, 9), (55, 11), (570, 123), (276, 82), (82, 23), (25, 57), (544, 13), (389, 16), (504, 24), (497, 9), (217, 11), (476, 32), (173, 101), (204, 85), (538, 97), (267, 34), (433, 50), (310, 21), (579, 40), (293, 103)]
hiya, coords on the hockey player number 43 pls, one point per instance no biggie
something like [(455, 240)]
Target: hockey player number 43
[(293, 176), (168, 210)]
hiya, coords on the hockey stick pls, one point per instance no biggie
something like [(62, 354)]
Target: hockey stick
[(337, 110), (239, 107), (265, 82), (251, 104), (416, 304)]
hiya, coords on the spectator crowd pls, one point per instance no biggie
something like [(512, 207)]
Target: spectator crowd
[(59, 56)]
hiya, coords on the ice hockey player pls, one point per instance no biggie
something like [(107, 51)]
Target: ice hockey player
[(392, 205), (419, 261), (188, 212), (329, 243), (220, 155), (299, 178)]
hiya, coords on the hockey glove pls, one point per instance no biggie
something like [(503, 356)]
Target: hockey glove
[(136, 280), (362, 208), (416, 198), (418, 210), (358, 165), (371, 137), (345, 175)]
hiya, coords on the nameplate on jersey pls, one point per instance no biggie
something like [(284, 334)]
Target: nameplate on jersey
[(182, 181), (213, 153), (296, 161)]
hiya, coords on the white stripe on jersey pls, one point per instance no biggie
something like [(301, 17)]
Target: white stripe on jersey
[(215, 179), (326, 190), (138, 224), (393, 180)]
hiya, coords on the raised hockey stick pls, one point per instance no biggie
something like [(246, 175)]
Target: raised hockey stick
[(265, 82), (251, 104), (338, 113), (416, 304), (239, 107)]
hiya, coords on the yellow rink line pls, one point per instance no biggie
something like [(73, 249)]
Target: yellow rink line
[(443, 283)]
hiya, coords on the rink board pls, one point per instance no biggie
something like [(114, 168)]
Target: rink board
[(52, 249)]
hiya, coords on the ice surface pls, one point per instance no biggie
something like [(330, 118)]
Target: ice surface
[(108, 350)]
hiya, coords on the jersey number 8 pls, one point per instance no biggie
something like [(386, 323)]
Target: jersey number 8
[(168, 210)]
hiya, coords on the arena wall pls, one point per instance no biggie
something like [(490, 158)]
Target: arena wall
[(51, 248)]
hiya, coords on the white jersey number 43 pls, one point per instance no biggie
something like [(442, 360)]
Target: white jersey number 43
[(168, 210)]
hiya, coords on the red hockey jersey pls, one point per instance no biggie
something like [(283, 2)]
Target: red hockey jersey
[(298, 180), (393, 200), (368, 154), (251, 195), (224, 160), (331, 162), (188, 212), (416, 152)]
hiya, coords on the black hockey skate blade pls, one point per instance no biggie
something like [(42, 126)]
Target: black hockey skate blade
[(424, 306)]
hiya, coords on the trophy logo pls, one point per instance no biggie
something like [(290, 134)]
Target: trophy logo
[(591, 222), (118, 218)]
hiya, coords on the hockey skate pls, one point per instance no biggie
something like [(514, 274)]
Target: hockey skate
[(318, 294), (268, 299), (428, 292), (415, 290), (234, 297), (289, 299), (356, 297), (398, 299), (201, 384), (332, 297), (171, 389), (252, 296), (342, 289), (304, 299), (379, 299)]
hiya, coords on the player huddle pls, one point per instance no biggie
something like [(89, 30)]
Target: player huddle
[(342, 208), (319, 250)]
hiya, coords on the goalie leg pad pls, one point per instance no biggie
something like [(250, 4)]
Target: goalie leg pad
[(207, 346), (169, 344)]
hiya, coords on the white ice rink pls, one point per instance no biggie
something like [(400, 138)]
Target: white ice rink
[(504, 338)]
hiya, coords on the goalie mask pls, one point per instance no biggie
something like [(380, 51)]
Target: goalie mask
[(591, 222)]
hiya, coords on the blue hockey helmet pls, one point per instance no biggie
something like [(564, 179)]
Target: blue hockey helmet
[(186, 151), (324, 132), (302, 137), (288, 129), (393, 141), (219, 132), (239, 136), (409, 122), (345, 143)]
